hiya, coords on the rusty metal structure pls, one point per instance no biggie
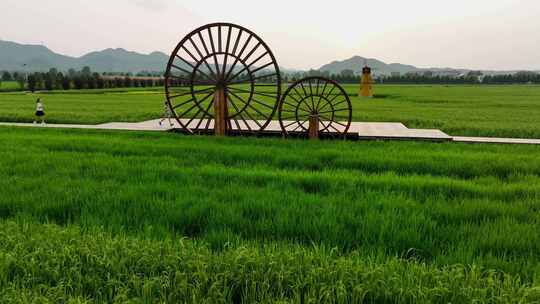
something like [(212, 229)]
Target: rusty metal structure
[(222, 79), (316, 107)]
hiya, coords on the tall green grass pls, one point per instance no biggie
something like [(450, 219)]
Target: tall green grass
[(7, 86), (441, 204), (51, 264)]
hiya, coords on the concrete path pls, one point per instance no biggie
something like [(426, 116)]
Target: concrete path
[(142, 126), (494, 140), (364, 130)]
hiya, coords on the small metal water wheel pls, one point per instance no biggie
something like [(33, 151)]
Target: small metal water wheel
[(315, 106), (222, 78)]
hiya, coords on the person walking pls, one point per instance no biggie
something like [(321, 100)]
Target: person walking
[(40, 112), (167, 114)]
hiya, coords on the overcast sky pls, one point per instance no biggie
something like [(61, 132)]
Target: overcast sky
[(476, 34)]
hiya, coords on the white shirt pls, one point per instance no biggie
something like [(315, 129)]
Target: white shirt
[(39, 106)]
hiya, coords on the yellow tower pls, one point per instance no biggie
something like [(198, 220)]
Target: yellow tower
[(366, 82)]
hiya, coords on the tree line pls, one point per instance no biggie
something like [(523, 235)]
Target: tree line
[(469, 78), (473, 77), (86, 79), (78, 80)]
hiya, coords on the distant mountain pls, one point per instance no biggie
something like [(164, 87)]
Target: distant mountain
[(111, 60), (356, 63), (19, 57), (381, 68), (14, 56)]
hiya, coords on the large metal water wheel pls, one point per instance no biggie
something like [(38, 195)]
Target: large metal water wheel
[(222, 78), (316, 107)]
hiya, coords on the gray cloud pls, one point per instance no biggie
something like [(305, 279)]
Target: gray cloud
[(479, 34)]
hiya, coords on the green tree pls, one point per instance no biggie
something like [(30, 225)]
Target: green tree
[(90, 82), (99, 82), (128, 82), (86, 71), (347, 73), (66, 83), (6, 76), (32, 83), (72, 73), (20, 80), (59, 80), (53, 72), (78, 82), (48, 82)]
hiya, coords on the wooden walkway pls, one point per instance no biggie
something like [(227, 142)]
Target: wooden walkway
[(358, 130)]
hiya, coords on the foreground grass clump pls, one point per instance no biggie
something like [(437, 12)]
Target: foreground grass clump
[(117, 216), (47, 263)]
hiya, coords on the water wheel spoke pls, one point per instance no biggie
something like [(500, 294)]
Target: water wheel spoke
[(311, 95), (228, 44), (246, 68), (201, 110), (253, 79), (208, 54), (250, 106), (263, 67), (201, 121), (330, 92), (239, 113), (290, 124), (237, 124), (297, 106), (321, 94), (196, 104), (300, 102), (193, 68), (333, 121), (229, 78), (247, 103), (294, 117), (300, 125), (182, 104), (262, 104), (181, 69), (254, 92), (203, 58), (231, 69), (212, 45), (191, 93)]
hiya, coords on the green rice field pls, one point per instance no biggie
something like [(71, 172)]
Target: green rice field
[(105, 216), (495, 111), (6, 86)]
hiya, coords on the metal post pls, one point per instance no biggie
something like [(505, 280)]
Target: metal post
[(313, 126), (220, 112)]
